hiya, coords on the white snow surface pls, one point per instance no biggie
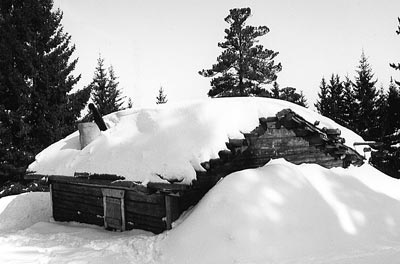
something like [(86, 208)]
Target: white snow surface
[(279, 213), (170, 140)]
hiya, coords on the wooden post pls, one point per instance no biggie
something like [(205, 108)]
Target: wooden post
[(51, 200), (171, 209)]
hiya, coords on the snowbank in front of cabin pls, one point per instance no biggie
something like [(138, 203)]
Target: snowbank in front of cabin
[(285, 213), (170, 140), (21, 211), (280, 213)]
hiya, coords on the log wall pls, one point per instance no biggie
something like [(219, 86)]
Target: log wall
[(144, 208)]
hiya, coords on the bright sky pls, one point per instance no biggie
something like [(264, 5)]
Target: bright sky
[(165, 43)]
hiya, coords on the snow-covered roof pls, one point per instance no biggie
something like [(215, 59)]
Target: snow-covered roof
[(169, 140)]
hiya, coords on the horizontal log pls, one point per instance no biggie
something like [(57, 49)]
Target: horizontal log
[(96, 176), (77, 206), (281, 132), (206, 165), (79, 189), (144, 220), (67, 215), (279, 142), (131, 186), (225, 155), (167, 187), (156, 210), (315, 140), (70, 179), (78, 198), (331, 131), (155, 198)]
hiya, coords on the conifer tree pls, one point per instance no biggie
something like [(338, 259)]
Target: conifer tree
[(336, 99), (366, 97), (36, 106), (275, 92), (115, 95), (291, 95), (130, 103), (161, 98), (396, 66), (244, 66), (392, 112), (349, 105), (105, 93), (323, 102)]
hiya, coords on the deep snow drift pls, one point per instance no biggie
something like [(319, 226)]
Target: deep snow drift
[(280, 213), (169, 140)]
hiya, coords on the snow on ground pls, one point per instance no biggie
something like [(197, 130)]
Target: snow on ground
[(170, 139), (280, 213)]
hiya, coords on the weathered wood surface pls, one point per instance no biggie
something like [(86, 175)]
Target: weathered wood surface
[(172, 210), (156, 210), (83, 202), (67, 214)]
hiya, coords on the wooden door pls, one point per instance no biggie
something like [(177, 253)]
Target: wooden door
[(114, 209)]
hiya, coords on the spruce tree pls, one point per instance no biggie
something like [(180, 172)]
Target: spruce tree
[(130, 103), (335, 87), (323, 102), (244, 66), (392, 120), (161, 98), (349, 105), (116, 98), (105, 93), (396, 66), (36, 104), (366, 97), (275, 91)]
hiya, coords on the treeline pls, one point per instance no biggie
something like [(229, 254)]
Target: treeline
[(371, 112)]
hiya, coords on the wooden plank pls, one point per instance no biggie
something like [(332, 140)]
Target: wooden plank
[(279, 142), (131, 186), (144, 220), (70, 179), (96, 176), (79, 198), (278, 133), (172, 210), (113, 193), (167, 187), (67, 214), (225, 155), (114, 223), (113, 208), (77, 188), (96, 210), (156, 210), (155, 198)]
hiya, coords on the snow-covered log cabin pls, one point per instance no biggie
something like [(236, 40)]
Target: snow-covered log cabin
[(150, 165)]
